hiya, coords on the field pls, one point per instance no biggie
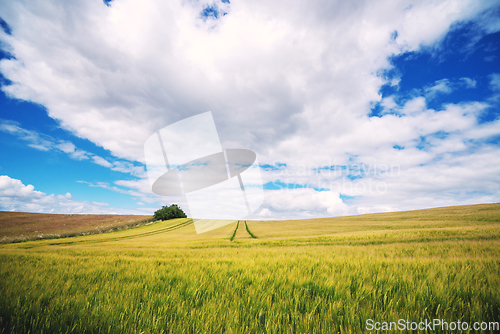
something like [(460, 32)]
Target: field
[(22, 226), (311, 276)]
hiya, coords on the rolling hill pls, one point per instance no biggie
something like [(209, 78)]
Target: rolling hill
[(326, 275)]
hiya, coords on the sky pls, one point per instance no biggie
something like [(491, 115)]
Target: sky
[(352, 107)]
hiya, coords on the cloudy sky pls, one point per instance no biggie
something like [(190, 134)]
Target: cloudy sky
[(351, 106)]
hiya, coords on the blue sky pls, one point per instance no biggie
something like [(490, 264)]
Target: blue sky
[(350, 109)]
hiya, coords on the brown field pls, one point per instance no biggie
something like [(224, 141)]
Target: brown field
[(21, 226)]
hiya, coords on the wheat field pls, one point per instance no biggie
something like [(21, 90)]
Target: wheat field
[(325, 275)]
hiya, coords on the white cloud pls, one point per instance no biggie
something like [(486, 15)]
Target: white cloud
[(129, 168), (442, 159), (134, 188), (302, 203), (490, 58), (495, 82), (66, 147), (469, 83), (445, 86), (495, 87), (70, 148), (484, 131), (294, 83), (45, 143), (34, 139), (15, 196), (101, 161), (116, 74), (439, 87)]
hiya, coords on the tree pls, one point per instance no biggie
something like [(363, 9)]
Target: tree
[(169, 212)]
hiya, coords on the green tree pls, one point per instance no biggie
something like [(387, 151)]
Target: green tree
[(169, 212)]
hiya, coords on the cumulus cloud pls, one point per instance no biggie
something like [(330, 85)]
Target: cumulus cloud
[(294, 83), (302, 203), (115, 74), (424, 158), (15, 196)]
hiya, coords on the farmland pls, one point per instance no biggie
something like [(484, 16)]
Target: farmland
[(22, 226), (326, 275)]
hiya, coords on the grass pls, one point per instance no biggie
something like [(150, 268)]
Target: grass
[(309, 276)]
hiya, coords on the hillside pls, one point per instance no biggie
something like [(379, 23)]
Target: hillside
[(20, 226), (317, 276), (32, 226)]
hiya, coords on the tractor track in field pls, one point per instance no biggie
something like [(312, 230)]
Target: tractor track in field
[(238, 233), (234, 232), (248, 230), (146, 234)]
